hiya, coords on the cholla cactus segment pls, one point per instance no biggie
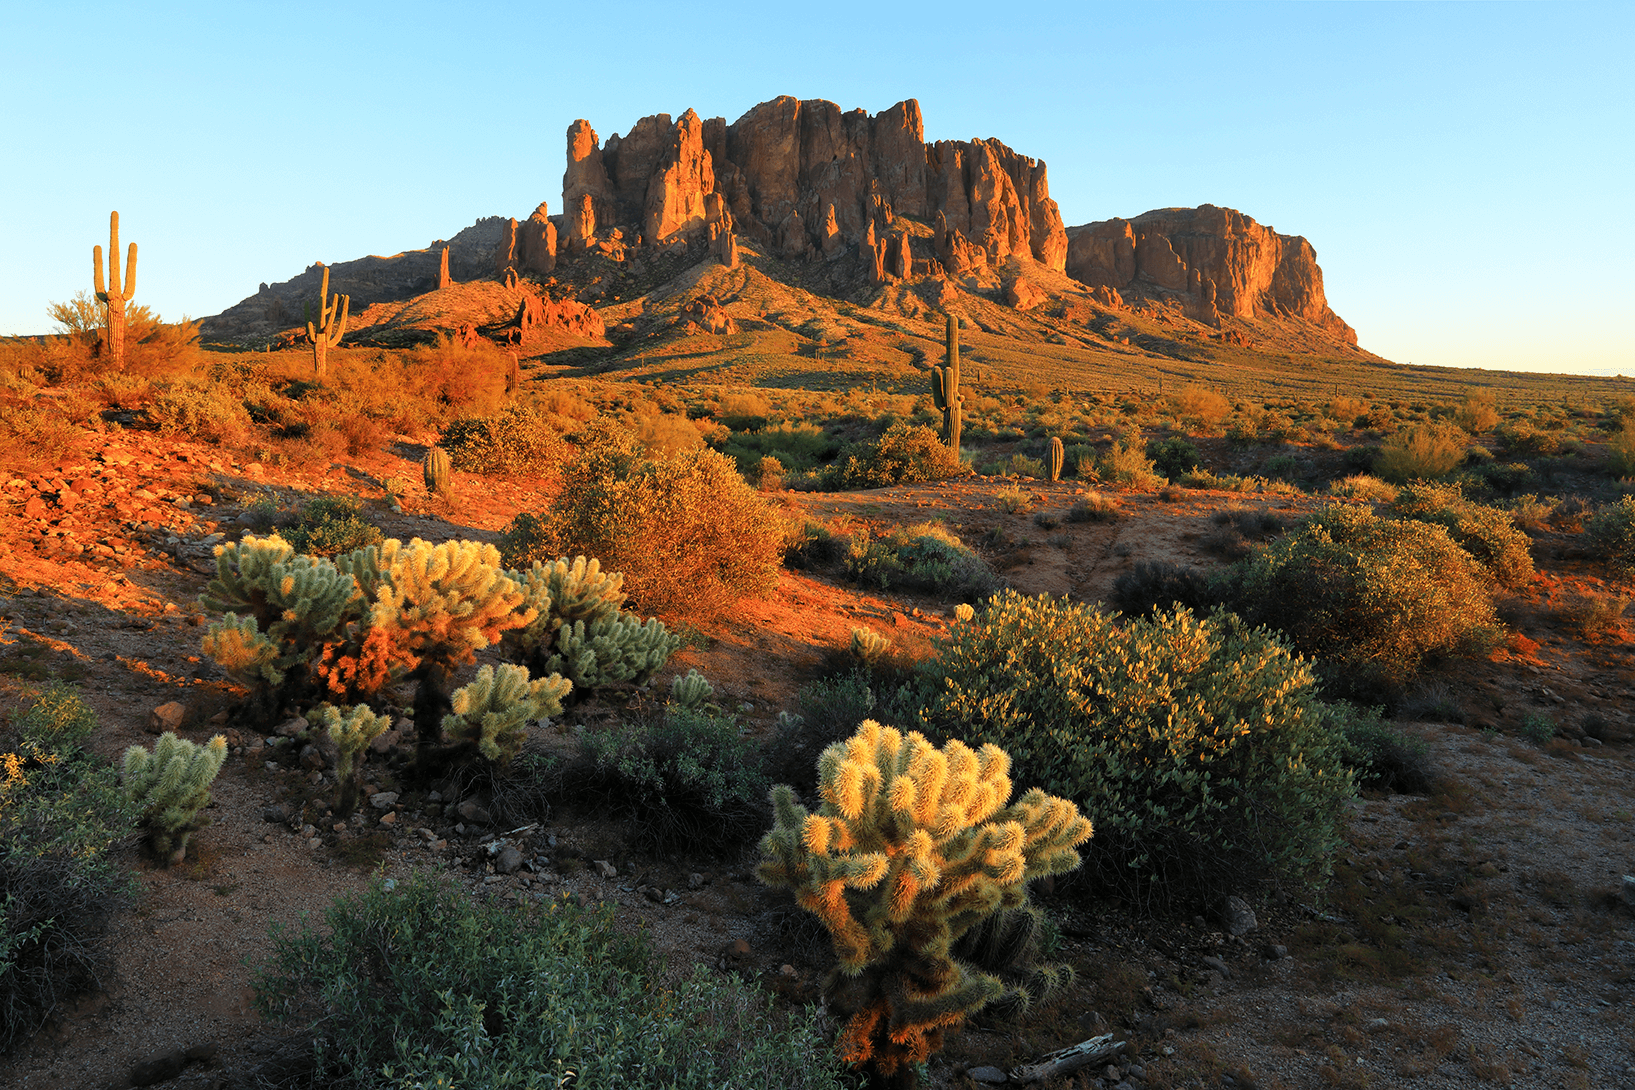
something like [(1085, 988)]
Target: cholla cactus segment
[(295, 599), (495, 709), (582, 591), (171, 785), (612, 649), (964, 612), (690, 691), (535, 584), (911, 847), (868, 645), (351, 729), (441, 601), (249, 657)]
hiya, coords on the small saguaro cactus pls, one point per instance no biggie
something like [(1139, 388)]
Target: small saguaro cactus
[(912, 847), (1057, 457), (171, 787), (327, 332), (945, 389), (513, 374), (351, 729), (438, 471), (109, 293)]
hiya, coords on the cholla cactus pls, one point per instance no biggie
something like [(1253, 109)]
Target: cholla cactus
[(611, 649), (690, 691), (250, 658), (868, 645), (493, 712), (171, 786), (912, 847), (964, 612), (351, 729), (562, 592)]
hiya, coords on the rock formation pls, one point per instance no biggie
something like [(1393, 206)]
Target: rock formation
[(811, 181), (1221, 261)]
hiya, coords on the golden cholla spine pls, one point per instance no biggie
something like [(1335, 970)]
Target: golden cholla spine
[(911, 847)]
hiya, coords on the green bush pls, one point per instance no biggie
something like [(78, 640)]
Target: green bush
[(685, 529), (1362, 486), (1155, 586), (1385, 759), (905, 454), (1173, 457), (1486, 533), (1505, 478), (688, 778), (1370, 594), (517, 440), (1191, 743), (1126, 463), (60, 816), (796, 447), (1524, 438), (1612, 532), (201, 410), (331, 525), (924, 556), (420, 986), (1621, 450), (1421, 451)]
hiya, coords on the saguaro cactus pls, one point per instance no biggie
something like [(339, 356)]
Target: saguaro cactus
[(437, 469), (1057, 457), (912, 847), (327, 332), (945, 389), (109, 293)]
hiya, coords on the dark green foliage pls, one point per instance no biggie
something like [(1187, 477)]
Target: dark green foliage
[(1155, 585), (1008, 944), (331, 525), (1385, 759), (1506, 478), (924, 556), (903, 455), (797, 447), (1370, 595), (516, 441), (60, 815), (688, 778), (1173, 457), (1192, 744), (1612, 532), (1524, 438), (422, 986), (816, 546)]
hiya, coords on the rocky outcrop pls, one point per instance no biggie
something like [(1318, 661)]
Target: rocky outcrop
[(1221, 261), (809, 180)]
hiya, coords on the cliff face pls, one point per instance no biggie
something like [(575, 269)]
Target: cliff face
[(809, 180), (1221, 260)]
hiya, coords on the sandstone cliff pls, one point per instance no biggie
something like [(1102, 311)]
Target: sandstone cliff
[(1220, 261), (808, 180)]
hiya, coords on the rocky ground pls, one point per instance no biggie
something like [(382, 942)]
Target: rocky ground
[(1475, 936)]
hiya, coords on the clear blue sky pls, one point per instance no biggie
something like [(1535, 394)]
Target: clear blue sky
[(1463, 170)]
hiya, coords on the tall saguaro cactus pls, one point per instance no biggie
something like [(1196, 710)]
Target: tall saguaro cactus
[(109, 293), (327, 332), (945, 389)]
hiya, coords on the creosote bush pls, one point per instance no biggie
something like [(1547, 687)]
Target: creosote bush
[(1191, 742), (1488, 534), (1612, 531), (685, 529), (1421, 451), (906, 453), (923, 556), (420, 985)]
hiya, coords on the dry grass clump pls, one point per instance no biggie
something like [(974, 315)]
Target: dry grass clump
[(1421, 451)]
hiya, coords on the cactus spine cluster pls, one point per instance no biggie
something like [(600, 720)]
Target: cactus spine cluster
[(612, 649), (578, 629), (493, 712), (438, 471), (171, 787), (912, 847), (1057, 457), (945, 389), (109, 292), (327, 332)]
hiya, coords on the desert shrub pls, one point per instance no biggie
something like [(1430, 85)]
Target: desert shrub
[(904, 454), (1505, 478), (515, 441), (419, 985), (1595, 616), (1126, 463), (331, 525), (1286, 467), (1154, 586), (814, 545), (1486, 533), (1191, 743), (1621, 450), (1345, 409), (1368, 594), (1477, 414), (200, 410), (1238, 530), (830, 710), (1384, 758), (1200, 406), (921, 556), (61, 814), (1020, 465), (797, 447), (688, 778), (1362, 486), (686, 530), (1421, 451), (1538, 729), (1611, 532), (1523, 438), (1173, 457), (1093, 507)]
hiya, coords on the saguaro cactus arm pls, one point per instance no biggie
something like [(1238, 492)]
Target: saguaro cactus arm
[(110, 291)]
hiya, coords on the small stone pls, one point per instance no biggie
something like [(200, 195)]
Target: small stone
[(425, 834), (166, 717), (309, 830), (383, 800), (1238, 916), (1111, 1073), (271, 766), (1274, 952), (1629, 891), (605, 869), (509, 861), (695, 881), (166, 1065), (289, 728), (1215, 963), (787, 971), (389, 819), (655, 894), (277, 813), (988, 1075), (473, 812), (315, 842)]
